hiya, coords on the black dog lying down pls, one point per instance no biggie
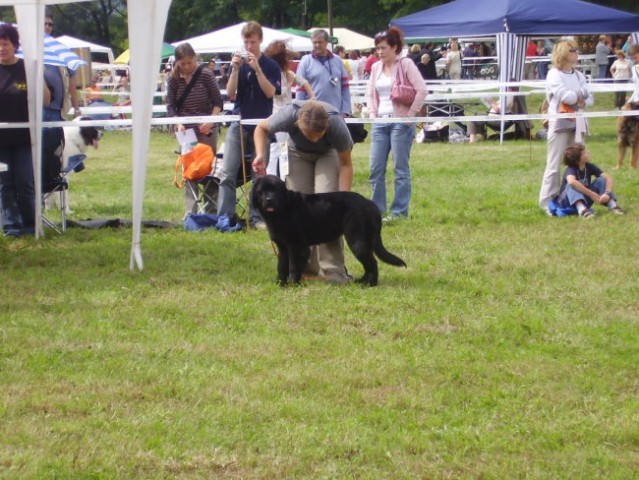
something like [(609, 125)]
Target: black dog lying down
[(296, 221)]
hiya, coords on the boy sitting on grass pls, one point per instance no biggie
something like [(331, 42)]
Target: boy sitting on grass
[(577, 188)]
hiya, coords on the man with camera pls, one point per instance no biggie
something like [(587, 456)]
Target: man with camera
[(326, 74), (253, 82)]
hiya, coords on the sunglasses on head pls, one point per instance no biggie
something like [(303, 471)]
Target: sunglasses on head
[(382, 34)]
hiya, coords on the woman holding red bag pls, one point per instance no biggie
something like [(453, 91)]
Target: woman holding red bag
[(386, 99)]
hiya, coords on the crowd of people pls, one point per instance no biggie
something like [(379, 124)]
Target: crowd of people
[(305, 140)]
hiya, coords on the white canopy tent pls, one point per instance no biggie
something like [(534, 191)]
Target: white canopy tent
[(147, 20), (72, 42), (349, 39), (229, 39)]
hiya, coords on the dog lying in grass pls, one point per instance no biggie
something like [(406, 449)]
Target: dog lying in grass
[(296, 221), (628, 136)]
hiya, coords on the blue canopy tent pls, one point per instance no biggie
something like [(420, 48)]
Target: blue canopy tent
[(513, 22)]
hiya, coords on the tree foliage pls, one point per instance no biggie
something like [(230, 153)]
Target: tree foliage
[(104, 21)]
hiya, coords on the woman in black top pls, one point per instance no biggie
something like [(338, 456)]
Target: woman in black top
[(17, 192)]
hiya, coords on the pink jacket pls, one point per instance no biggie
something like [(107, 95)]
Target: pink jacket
[(413, 77)]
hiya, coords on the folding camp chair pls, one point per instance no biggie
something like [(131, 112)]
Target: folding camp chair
[(58, 185), (199, 191), (203, 193)]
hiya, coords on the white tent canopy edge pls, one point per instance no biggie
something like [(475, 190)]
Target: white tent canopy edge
[(147, 20), (229, 40)]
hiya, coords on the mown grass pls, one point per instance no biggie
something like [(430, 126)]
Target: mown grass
[(507, 349)]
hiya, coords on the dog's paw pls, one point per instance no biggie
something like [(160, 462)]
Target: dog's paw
[(366, 282)]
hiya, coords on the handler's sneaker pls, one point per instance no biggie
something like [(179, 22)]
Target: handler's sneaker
[(393, 217)]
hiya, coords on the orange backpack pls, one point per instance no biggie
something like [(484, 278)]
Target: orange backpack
[(196, 164)]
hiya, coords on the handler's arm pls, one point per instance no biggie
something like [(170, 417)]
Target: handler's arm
[(345, 170), (260, 137)]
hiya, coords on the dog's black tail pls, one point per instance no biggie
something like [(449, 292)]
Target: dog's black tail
[(384, 255)]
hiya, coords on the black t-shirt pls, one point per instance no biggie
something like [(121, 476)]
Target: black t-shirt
[(13, 103), (583, 176)]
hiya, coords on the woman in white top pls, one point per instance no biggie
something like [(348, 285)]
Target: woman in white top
[(621, 71), (277, 51), (356, 64), (566, 91), (454, 62)]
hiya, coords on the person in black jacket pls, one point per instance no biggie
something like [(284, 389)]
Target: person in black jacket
[(426, 65)]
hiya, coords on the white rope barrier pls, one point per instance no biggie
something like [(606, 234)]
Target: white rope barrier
[(351, 120)]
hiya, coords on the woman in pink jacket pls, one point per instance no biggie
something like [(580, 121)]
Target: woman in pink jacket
[(396, 137)]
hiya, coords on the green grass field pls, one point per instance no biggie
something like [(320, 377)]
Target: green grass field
[(507, 348)]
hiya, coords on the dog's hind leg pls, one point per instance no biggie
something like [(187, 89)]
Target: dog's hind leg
[(634, 153), (362, 248)]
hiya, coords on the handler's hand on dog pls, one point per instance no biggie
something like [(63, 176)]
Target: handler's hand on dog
[(258, 165)]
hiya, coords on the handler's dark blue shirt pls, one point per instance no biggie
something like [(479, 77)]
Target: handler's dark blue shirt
[(250, 101)]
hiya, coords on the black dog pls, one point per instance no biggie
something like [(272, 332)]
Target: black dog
[(296, 221)]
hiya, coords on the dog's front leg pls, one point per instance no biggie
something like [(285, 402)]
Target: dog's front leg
[(621, 153), (282, 264), (298, 259)]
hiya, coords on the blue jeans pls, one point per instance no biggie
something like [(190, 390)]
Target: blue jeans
[(571, 196), (542, 70), (603, 71), (52, 146), (17, 191), (395, 138), (232, 162)]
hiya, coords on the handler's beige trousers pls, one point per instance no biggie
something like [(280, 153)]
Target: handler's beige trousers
[(318, 173)]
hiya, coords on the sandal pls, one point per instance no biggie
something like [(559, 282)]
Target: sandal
[(618, 210), (587, 213)]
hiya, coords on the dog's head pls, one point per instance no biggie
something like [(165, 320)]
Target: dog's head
[(91, 136), (269, 194)]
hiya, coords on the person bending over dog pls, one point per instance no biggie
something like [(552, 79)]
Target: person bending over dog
[(319, 161)]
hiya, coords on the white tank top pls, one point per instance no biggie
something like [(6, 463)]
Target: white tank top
[(383, 86)]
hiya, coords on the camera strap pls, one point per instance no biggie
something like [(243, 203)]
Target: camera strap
[(324, 63)]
